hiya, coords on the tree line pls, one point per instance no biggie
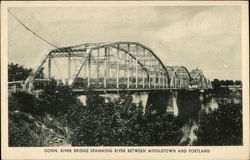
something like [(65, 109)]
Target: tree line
[(218, 83)]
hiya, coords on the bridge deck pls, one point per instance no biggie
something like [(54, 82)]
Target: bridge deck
[(113, 90)]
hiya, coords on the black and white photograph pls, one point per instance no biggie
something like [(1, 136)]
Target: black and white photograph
[(125, 76)]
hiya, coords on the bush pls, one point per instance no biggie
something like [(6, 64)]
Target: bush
[(120, 123), (23, 131), (222, 127), (54, 100), (22, 101), (57, 99)]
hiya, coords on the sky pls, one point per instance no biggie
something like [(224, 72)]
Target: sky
[(204, 37)]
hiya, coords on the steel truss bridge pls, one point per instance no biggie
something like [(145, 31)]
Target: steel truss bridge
[(114, 66)]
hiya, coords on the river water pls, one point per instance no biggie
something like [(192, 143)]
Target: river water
[(191, 105), (187, 107)]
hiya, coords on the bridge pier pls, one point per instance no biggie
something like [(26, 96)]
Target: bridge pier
[(141, 97), (189, 105), (172, 107), (157, 102)]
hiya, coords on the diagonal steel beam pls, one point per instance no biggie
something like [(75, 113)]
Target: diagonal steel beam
[(78, 70), (33, 74), (124, 50)]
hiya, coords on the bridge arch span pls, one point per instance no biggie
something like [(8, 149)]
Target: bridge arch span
[(199, 78), (108, 65), (179, 77)]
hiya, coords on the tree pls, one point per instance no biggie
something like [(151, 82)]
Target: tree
[(56, 99), (18, 73), (220, 91), (216, 83), (221, 127), (120, 123), (22, 101), (238, 82), (229, 82), (223, 82)]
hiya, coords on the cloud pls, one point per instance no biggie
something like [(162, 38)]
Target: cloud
[(190, 36), (207, 39), (216, 21)]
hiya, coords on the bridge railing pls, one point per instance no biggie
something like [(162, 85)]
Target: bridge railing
[(41, 83), (37, 84), (111, 83), (15, 86), (98, 83)]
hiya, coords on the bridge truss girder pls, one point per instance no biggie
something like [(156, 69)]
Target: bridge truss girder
[(179, 77), (201, 81), (116, 65)]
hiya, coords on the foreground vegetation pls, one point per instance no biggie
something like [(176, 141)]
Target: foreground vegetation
[(98, 123), (58, 118)]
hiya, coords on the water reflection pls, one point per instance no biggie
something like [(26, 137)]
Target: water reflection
[(191, 105)]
